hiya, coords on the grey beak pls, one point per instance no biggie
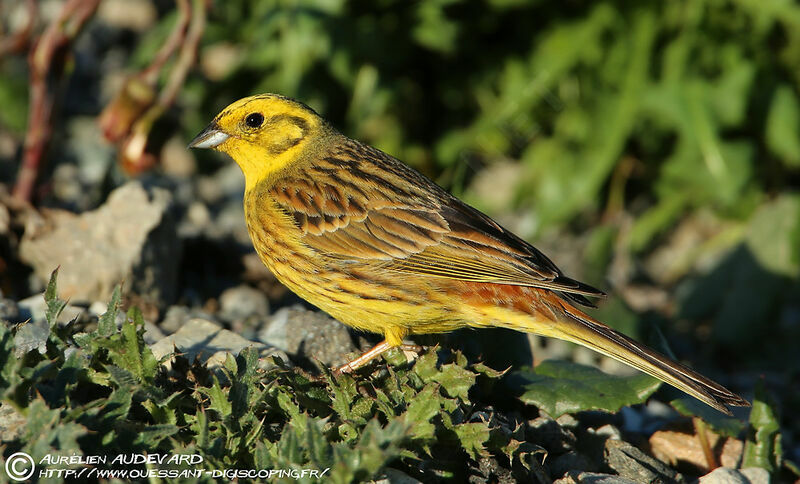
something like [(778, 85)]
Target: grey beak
[(211, 137)]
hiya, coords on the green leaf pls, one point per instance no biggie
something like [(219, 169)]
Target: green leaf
[(218, 399), (152, 435), (763, 447), (559, 387), (473, 437), (107, 323), (773, 236), (425, 366), (717, 421), (420, 412), (54, 305), (9, 363), (128, 350), (783, 126), (455, 380), (14, 99)]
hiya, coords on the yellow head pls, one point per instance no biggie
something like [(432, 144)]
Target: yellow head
[(262, 133)]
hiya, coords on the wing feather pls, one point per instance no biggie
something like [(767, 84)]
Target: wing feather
[(399, 220)]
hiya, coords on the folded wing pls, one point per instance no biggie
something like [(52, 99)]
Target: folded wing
[(362, 206)]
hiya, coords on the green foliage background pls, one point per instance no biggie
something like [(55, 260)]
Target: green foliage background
[(623, 119), (702, 95), (626, 122)]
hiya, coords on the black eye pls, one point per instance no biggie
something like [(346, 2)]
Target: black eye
[(254, 120)]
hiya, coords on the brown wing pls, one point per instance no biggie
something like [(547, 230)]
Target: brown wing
[(360, 205)]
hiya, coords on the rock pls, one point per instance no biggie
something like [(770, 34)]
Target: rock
[(393, 476), (230, 221), (608, 431), (9, 311), (35, 309), (210, 343), (571, 461), (578, 477), (226, 184), (546, 432), (309, 334), (567, 421), (130, 238), (176, 160), (196, 220), (31, 336), (242, 302), (152, 334), (12, 423), (756, 475), (675, 447), (490, 470), (177, 316), (631, 463), (725, 475)]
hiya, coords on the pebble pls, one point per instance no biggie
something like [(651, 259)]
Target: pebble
[(242, 302), (177, 316), (631, 463), (578, 477), (210, 344), (130, 238), (726, 475), (35, 309), (310, 335)]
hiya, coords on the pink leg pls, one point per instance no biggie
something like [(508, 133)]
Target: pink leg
[(373, 353)]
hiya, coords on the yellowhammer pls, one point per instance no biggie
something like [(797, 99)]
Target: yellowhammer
[(382, 248)]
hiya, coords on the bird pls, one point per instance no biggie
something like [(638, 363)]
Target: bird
[(382, 248)]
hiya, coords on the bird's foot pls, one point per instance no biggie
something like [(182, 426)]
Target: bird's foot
[(410, 352)]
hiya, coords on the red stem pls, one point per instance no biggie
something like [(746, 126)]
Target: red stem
[(47, 61), (176, 37)]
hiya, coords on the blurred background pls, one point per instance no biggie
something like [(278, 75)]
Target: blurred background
[(651, 149)]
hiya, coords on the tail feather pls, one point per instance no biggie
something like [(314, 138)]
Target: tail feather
[(584, 330)]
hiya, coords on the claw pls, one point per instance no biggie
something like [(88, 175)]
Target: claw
[(373, 353)]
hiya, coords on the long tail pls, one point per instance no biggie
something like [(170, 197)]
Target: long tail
[(584, 330)]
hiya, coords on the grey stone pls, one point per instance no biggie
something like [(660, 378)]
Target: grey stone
[(31, 336), (130, 238), (756, 475), (226, 183), (631, 463), (309, 334), (35, 309), (152, 333), (12, 423), (726, 475), (567, 421), (546, 432), (571, 461), (608, 431), (578, 477), (393, 476), (177, 316), (230, 221), (242, 302), (9, 311), (210, 343), (196, 220)]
